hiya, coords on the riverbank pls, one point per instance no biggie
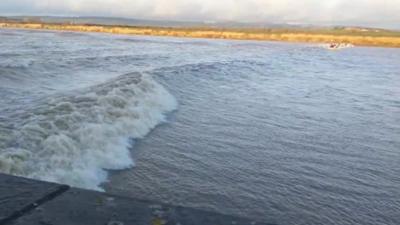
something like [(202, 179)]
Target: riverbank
[(375, 38)]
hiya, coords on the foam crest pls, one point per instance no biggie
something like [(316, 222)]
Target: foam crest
[(74, 139)]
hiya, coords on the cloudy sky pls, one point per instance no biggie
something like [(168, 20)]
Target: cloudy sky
[(380, 13)]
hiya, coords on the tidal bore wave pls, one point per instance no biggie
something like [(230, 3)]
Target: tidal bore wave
[(75, 138)]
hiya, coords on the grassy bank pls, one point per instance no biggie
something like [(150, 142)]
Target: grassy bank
[(381, 38)]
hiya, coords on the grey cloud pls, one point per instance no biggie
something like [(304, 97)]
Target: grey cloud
[(383, 13)]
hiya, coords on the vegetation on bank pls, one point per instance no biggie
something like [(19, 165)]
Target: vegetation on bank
[(355, 36)]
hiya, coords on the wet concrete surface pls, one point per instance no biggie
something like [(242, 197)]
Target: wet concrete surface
[(30, 202)]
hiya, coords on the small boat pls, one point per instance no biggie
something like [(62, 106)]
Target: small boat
[(333, 46)]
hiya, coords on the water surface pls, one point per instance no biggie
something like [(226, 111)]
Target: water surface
[(283, 133)]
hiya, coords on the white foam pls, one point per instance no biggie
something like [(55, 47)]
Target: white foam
[(75, 139)]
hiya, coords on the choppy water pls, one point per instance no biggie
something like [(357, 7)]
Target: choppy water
[(284, 133)]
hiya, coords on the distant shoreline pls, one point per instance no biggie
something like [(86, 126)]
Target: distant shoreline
[(355, 37)]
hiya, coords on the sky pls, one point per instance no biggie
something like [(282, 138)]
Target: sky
[(375, 13)]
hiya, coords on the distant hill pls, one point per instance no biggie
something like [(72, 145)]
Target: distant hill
[(141, 22), (116, 21)]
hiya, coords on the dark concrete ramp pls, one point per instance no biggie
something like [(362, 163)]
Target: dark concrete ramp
[(19, 196), (30, 202)]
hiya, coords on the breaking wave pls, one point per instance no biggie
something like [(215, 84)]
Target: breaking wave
[(75, 138)]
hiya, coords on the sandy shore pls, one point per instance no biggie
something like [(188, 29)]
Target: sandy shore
[(386, 39)]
